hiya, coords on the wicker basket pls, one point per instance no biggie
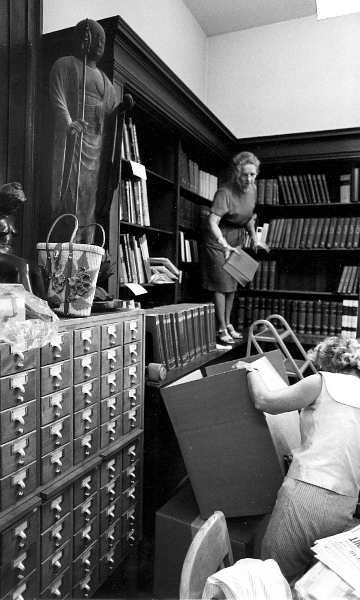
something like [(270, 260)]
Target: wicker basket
[(72, 271)]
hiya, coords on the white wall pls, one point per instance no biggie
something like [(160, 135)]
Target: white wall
[(167, 26), (296, 76)]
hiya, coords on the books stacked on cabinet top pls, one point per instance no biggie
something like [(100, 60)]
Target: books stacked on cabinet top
[(195, 179), (179, 333), (314, 232), (312, 317)]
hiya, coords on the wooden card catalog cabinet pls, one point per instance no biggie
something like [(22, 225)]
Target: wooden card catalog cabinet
[(71, 419)]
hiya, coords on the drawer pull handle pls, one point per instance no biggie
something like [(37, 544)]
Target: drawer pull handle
[(57, 564), (56, 592), (20, 566), (111, 513), (87, 562), (57, 535)]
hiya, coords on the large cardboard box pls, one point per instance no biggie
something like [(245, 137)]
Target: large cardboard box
[(176, 525), (225, 442)]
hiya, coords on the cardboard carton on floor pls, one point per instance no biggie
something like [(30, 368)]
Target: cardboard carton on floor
[(176, 525), (225, 441)]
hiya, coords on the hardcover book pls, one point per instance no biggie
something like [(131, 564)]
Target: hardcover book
[(241, 266)]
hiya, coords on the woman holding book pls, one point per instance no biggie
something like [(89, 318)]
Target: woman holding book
[(319, 494), (232, 214)]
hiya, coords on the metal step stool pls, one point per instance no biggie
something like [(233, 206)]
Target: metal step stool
[(270, 333)]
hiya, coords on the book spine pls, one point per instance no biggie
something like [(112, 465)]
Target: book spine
[(331, 233), (311, 233), (318, 232), (317, 317), (264, 275), (175, 340), (354, 184), (154, 345), (309, 318), (345, 232), (338, 232), (341, 285), (324, 327), (324, 233), (332, 318)]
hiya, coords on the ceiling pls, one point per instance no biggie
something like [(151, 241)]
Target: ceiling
[(217, 17)]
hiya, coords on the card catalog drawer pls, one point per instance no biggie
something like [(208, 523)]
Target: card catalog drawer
[(111, 408), (18, 421), (131, 420), (111, 383), (17, 389), (14, 361), (131, 518), (87, 586), (86, 486), (55, 435), (19, 536), (109, 492), (55, 509), (110, 432), (132, 453), (17, 486), (86, 446), (52, 539), (129, 540), (110, 469), (55, 406), (55, 464), (132, 330), (111, 360), (56, 564), (55, 377), (57, 350), (131, 496), (85, 563), (110, 538), (111, 335), (86, 393), (110, 561), (110, 514), (26, 590), (18, 453), (86, 340), (86, 367), (84, 538), (85, 420), (132, 376), (85, 512), (16, 570), (132, 353), (132, 397), (60, 587), (130, 475)]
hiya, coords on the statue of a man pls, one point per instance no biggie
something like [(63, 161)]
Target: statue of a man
[(84, 128)]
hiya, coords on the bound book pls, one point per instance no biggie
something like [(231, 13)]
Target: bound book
[(241, 267)]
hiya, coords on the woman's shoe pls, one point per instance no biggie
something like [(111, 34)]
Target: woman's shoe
[(222, 337), (234, 334)]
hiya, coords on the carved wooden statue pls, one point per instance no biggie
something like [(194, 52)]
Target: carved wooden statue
[(83, 99)]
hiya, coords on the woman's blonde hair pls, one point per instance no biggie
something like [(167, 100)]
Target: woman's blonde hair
[(241, 159), (336, 354)]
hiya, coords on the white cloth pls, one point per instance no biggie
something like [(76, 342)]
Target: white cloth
[(248, 579)]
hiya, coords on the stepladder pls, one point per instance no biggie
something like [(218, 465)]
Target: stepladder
[(275, 329)]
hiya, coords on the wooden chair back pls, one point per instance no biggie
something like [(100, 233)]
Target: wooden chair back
[(209, 552)]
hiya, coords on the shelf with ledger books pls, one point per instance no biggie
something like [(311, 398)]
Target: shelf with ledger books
[(308, 204)]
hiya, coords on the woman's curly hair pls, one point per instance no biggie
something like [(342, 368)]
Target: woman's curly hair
[(336, 354)]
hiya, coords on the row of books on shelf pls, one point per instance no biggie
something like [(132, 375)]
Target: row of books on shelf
[(130, 145), (195, 179), (178, 333), (136, 266), (308, 188), (134, 203), (189, 251), (312, 317), (266, 278), (349, 280), (313, 232), (192, 215)]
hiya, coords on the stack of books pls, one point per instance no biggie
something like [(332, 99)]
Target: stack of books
[(189, 252), (134, 264), (265, 276), (163, 270), (178, 333)]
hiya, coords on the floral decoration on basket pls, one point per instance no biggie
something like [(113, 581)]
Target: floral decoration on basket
[(72, 271)]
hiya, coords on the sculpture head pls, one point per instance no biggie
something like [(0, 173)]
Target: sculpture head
[(97, 44), (11, 198)]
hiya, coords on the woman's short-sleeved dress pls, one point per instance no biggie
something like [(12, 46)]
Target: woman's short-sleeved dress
[(235, 209)]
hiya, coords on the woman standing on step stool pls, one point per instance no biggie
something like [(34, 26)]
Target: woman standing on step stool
[(232, 213)]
